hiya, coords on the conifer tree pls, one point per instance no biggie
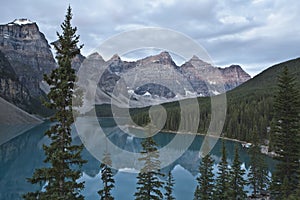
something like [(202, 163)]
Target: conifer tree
[(169, 187), (107, 178), (64, 158), (197, 194), (296, 194), (286, 136), (237, 181), (258, 173), (205, 186), (222, 190), (149, 185)]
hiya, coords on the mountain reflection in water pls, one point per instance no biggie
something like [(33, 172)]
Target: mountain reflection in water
[(24, 153)]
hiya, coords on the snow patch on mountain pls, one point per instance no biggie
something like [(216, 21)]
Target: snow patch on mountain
[(22, 21)]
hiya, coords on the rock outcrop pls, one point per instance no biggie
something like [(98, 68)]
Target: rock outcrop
[(10, 87), (28, 52), (207, 79), (26, 56), (234, 76), (157, 79)]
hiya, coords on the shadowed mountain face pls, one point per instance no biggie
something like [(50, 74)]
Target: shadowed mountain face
[(204, 79), (27, 56), (28, 52), (24, 58), (157, 79), (11, 88)]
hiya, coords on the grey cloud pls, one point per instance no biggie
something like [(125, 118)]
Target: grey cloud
[(251, 33)]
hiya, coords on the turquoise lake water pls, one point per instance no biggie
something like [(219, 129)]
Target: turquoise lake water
[(20, 155)]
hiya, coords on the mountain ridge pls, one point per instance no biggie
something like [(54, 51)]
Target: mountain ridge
[(194, 77), (29, 53), (249, 106)]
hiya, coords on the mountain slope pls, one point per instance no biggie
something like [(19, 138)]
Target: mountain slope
[(265, 82), (25, 57), (249, 106), (28, 52), (157, 79), (10, 114), (10, 87)]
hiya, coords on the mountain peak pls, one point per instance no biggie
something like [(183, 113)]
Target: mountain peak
[(197, 59), (237, 71), (115, 57), (165, 55), (197, 62), (163, 58), (20, 22), (235, 66), (96, 56)]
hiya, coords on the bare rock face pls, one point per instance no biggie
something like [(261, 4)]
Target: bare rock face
[(28, 52), (157, 79), (10, 87), (111, 75), (207, 79), (26, 57), (234, 75), (163, 58)]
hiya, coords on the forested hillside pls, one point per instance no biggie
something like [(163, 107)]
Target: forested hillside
[(249, 106)]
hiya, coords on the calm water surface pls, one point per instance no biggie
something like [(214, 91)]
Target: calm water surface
[(22, 154)]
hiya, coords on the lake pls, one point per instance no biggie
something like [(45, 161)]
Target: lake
[(20, 155)]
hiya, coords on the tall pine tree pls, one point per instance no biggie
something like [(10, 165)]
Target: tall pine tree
[(222, 190), (296, 194), (149, 186), (63, 157), (169, 187), (258, 178), (237, 181), (107, 178), (205, 186), (286, 136)]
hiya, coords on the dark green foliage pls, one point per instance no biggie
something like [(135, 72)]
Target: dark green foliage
[(249, 105), (149, 186), (296, 194), (107, 178), (286, 136), (176, 115), (223, 189), (205, 186), (237, 181), (169, 187), (64, 157), (285, 188), (258, 175)]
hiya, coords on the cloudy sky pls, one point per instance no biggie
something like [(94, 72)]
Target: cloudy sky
[(252, 33)]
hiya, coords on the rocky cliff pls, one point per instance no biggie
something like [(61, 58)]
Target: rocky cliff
[(234, 76), (207, 79), (157, 79), (28, 52), (10, 87), (152, 80)]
